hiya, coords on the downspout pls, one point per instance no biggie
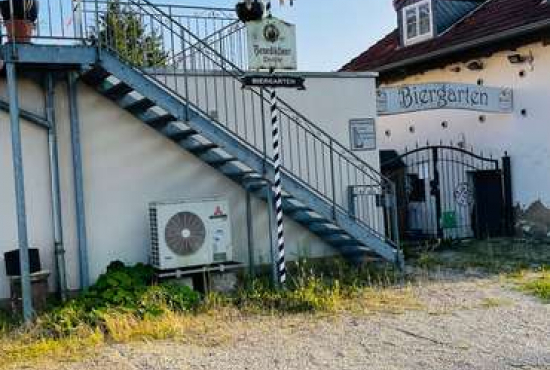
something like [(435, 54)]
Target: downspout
[(19, 179), (59, 248), (78, 182)]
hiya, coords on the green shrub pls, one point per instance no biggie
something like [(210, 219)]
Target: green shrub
[(123, 289)]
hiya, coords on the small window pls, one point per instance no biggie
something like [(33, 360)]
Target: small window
[(417, 22)]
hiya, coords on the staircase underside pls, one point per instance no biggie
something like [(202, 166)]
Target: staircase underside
[(209, 141)]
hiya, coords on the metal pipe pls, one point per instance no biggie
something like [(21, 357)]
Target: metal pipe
[(78, 182), (59, 248), (17, 153), (250, 234)]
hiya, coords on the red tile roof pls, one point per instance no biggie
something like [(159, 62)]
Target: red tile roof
[(491, 19)]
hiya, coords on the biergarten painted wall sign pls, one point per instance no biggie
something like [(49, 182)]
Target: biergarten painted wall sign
[(414, 98), (271, 45)]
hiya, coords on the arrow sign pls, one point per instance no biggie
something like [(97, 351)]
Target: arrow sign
[(293, 82)]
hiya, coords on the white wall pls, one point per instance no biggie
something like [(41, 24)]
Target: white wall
[(524, 138), (127, 165)]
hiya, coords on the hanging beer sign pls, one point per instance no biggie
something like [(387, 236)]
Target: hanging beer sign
[(271, 45)]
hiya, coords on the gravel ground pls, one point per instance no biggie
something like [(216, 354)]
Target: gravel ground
[(466, 324)]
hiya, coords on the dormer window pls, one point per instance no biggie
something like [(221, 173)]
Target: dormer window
[(417, 22)]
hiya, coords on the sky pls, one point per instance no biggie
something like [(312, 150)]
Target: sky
[(330, 32)]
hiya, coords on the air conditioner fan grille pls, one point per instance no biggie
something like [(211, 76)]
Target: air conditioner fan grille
[(185, 233)]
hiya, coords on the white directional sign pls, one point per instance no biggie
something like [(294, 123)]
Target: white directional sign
[(271, 45), (413, 98)]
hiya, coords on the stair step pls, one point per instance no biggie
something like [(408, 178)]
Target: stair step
[(183, 135), (95, 76), (200, 148), (161, 121), (290, 207), (117, 91), (307, 218), (242, 176), (221, 162), (139, 106), (232, 168), (326, 229)]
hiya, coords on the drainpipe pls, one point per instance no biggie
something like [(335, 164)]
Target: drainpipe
[(21, 214), (78, 182), (59, 248)]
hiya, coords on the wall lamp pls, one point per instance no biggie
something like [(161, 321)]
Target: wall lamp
[(519, 59), (516, 58), (475, 65)]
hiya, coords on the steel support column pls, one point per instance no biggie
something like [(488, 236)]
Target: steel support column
[(509, 218), (78, 182), (17, 153), (59, 248)]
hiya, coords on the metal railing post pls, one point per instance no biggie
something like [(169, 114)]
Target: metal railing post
[(17, 153), (333, 179), (395, 216), (77, 9)]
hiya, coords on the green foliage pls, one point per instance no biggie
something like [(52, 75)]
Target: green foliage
[(124, 31), (124, 289)]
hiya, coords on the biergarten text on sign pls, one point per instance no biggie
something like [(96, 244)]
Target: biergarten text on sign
[(413, 98), (295, 82)]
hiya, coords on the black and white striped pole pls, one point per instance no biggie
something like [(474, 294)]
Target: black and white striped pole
[(277, 187)]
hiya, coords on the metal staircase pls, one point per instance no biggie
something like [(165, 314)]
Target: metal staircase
[(194, 98)]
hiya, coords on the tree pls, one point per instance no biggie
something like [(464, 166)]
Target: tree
[(122, 30)]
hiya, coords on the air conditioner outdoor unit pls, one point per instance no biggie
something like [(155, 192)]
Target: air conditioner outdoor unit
[(190, 234)]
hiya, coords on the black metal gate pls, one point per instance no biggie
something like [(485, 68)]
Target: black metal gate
[(445, 192)]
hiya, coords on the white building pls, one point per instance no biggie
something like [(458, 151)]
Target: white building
[(474, 45)]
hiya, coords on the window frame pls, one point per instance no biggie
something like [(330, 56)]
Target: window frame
[(419, 37)]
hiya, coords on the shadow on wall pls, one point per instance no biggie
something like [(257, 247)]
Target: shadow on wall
[(533, 221)]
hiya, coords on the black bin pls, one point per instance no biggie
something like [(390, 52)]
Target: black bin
[(13, 266)]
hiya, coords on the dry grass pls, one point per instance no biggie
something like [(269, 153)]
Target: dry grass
[(214, 325), (534, 283), (24, 349)]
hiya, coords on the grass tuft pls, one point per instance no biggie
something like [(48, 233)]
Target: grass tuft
[(536, 284)]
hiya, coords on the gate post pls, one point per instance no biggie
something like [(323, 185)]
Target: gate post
[(509, 217), (436, 192)]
